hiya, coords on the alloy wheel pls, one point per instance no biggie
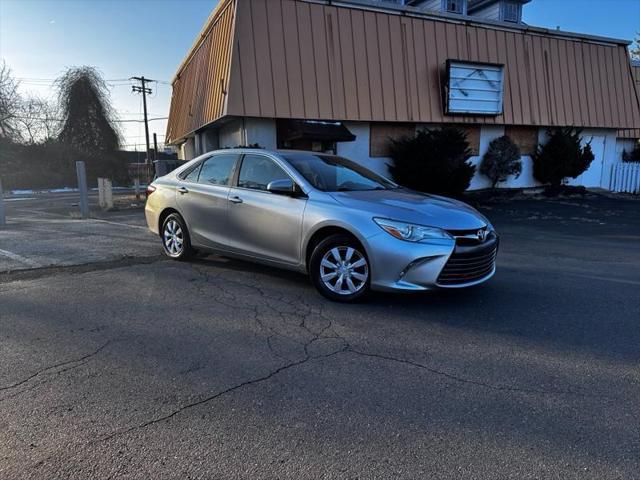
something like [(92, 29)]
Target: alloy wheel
[(173, 237), (344, 270)]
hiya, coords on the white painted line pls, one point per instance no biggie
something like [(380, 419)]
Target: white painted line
[(19, 258), (19, 199), (607, 279), (118, 223)]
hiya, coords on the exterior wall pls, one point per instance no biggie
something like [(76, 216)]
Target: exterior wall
[(633, 133), (431, 6), (187, 149), (231, 134), (358, 150), (490, 12), (249, 131), (261, 131), (624, 145), (605, 149)]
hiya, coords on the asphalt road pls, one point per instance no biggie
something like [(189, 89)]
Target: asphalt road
[(140, 367)]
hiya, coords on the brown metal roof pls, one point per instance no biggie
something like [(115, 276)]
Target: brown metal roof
[(297, 59), (635, 132), (201, 83)]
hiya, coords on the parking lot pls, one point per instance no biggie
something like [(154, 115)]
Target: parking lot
[(115, 362)]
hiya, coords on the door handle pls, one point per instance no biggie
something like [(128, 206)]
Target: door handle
[(183, 190), (235, 199)]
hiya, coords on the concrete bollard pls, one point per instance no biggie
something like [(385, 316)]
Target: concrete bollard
[(105, 193), (3, 220), (81, 173), (101, 192)]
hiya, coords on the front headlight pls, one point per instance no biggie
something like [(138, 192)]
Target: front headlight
[(411, 232)]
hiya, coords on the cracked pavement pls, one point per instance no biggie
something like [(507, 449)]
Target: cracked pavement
[(145, 368)]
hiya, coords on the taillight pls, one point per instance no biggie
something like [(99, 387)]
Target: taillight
[(150, 190)]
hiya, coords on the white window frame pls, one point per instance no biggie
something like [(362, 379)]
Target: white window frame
[(503, 11), (454, 84), (463, 7)]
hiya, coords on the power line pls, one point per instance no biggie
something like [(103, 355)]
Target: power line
[(142, 121), (21, 117)]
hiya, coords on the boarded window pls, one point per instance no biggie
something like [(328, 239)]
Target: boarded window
[(381, 134), (526, 138), (473, 137), (474, 88)]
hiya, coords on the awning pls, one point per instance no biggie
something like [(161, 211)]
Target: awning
[(317, 131)]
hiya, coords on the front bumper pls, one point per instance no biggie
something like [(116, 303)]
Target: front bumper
[(400, 265)]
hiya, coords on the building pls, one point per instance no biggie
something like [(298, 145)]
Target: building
[(345, 76), (628, 138)]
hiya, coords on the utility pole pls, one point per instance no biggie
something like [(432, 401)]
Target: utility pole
[(144, 90), (155, 147)]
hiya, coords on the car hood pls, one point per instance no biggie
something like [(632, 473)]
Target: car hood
[(414, 207)]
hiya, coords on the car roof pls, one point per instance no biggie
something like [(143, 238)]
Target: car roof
[(264, 150)]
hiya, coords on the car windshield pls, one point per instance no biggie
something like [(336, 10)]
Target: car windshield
[(331, 173)]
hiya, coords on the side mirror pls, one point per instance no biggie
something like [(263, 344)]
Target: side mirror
[(283, 187)]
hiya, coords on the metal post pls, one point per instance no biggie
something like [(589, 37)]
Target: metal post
[(3, 220), (136, 186), (81, 172), (155, 147)]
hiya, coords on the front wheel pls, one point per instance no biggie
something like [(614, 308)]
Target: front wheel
[(339, 269), (175, 237)]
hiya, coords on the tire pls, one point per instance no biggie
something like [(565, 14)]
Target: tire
[(175, 238), (340, 256)]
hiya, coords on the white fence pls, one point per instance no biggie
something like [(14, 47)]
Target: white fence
[(625, 177)]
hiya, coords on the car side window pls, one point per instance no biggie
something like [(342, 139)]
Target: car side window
[(217, 169), (192, 176), (258, 171)]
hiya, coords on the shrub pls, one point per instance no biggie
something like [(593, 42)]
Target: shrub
[(633, 155), (501, 160), (52, 164), (561, 157), (434, 161)]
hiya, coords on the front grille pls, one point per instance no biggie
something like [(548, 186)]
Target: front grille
[(466, 237), (468, 267)]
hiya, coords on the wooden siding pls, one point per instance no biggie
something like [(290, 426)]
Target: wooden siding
[(350, 64), (633, 132), (304, 60), (200, 86)]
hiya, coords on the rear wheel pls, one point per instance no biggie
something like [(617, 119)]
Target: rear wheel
[(339, 269), (175, 238)]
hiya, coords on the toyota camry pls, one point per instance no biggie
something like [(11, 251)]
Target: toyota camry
[(350, 229)]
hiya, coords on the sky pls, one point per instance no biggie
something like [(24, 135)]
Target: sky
[(39, 39)]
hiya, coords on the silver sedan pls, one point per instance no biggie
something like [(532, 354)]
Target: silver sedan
[(350, 229)]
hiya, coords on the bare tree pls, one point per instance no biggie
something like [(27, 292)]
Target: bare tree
[(38, 120), (10, 104), (87, 115), (88, 126), (634, 48)]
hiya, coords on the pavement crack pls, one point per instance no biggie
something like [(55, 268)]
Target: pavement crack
[(463, 380), (215, 396), (79, 360)]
